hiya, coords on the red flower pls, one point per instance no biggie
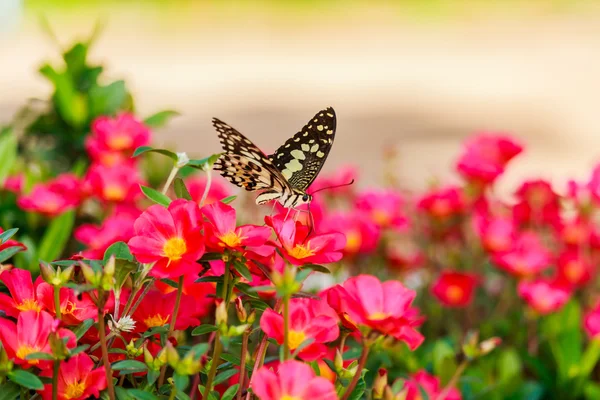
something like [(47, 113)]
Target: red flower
[(221, 231), (73, 310), (364, 301), (455, 289), (526, 258), (14, 183), (384, 208), (293, 380), (77, 379), (121, 134), (117, 228), (22, 293), (156, 309), (424, 382), (53, 197), (538, 204), (170, 238), (30, 335), (576, 233), (543, 296), (574, 270), (219, 189), (591, 322), (443, 203), (362, 234), (299, 248), (119, 183), (497, 233), (309, 319)]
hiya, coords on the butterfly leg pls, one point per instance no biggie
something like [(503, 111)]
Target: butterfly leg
[(287, 214)]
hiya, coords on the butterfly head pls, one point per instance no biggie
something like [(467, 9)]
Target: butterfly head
[(297, 198)]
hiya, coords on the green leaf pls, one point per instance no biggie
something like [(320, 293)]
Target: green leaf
[(444, 361), (142, 395), (242, 270), (205, 163), (75, 60), (156, 196), (39, 356), (211, 257), (181, 381), (76, 350), (223, 376), (9, 391), (122, 393), (56, 237), (359, 389), (9, 252), (302, 346), (122, 270), (235, 360), (204, 329), (228, 199), (210, 279), (8, 153), (118, 249), (160, 118), (70, 104), (147, 149), (107, 100), (129, 366), (181, 190), (25, 379), (230, 393), (316, 268), (199, 350), (7, 234)]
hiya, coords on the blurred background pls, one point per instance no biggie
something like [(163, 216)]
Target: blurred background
[(413, 78)]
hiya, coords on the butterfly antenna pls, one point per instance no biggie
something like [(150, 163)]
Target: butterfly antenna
[(312, 221), (333, 187)]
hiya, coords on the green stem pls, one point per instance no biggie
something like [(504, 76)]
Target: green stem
[(173, 393), (453, 381), (172, 176), (57, 301), (207, 187), (286, 327), (55, 379), (361, 365), (163, 370), (102, 334), (243, 373)]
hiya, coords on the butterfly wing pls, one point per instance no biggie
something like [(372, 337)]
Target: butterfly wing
[(244, 164), (301, 157)]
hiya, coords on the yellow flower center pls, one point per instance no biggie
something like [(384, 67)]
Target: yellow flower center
[(231, 239), (74, 390), (69, 308), (120, 142), (174, 248), (381, 217), (29, 305), (353, 242), (50, 207), (377, 316), (454, 293), (24, 350), (288, 397), (301, 251), (113, 193), (156, 320), (295, 339)]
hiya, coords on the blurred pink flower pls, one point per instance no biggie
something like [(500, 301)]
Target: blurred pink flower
[(97, 238), (591, 322), (123, 133), (442, 203), (537, 204), (430, 384), (53, 197), (14, 183), (219, 189), (119, 183), (527, 257), (543, 296), (573, 270), (497, 234), (384, 207), (362, 234), (455, 289)]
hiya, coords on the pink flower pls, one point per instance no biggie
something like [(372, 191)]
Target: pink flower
[(384, 208), (497, 233), (591, 322), (156, 309), (364, 301), (538, 204), (77, 379), (119, 183), (170, 238), (30, 335), (543, 296), (362, 234), (293, 380), (455, 289), (22, 293), (219, 189), (443, 203), (574, 270), (14, 183), (221, 231), (121, 134), (422, 381), (310, 319), (486, 156), (527, 256), (53, 197), (299, 248), (73, 310), (117, 228), (576, 233)]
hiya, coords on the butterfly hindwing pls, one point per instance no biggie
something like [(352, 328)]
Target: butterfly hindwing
[(301, 157), (244, 164)]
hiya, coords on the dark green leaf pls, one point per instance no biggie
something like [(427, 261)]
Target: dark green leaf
[(56, 237), (142, 395), (228, 199), (9, 391), (317, 268), (118, 249), (230, 393), (242, 270), (180, 190), (122, 393), (156, 196), (146, 149), (205, 163), (160, 118), (211, 279), (302, 346), (262, 288), (129, 366), (181, 381), (223, 376), (78, 349), (303, 274), (199, 350), (204, 329), (359, 389), (25, 379), (9, 252), (39, 356), (7, 234), (211, 257)]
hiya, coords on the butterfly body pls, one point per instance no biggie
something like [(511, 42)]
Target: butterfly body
[(285, 175)]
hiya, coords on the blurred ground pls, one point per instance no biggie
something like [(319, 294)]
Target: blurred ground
[(417, 81)]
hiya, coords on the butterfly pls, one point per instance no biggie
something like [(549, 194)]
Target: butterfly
[(285, 175)]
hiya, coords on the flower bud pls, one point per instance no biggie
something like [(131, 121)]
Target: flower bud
[(251, 317), (380, 383), (57, 346), (489, 345), (221, 314), (6, 365), (89, 274), (237, 330), (48, 272), (172, 355), (132, 350), (338, 361), (240, 310), (149, 359)]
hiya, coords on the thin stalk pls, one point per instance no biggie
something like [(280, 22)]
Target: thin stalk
[(172, 176), (163, 370), (55, 380), (286, 328), (57, 301), (361, 365), (452, 382), (243, 373), (206, 188), (173, 393), (107, 369), (139, 300)]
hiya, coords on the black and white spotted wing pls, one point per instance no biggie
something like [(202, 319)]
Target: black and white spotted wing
[(244, 164), (301, 157)]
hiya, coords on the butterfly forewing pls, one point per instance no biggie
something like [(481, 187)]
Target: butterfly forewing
[(301, 157), (244, 164)]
